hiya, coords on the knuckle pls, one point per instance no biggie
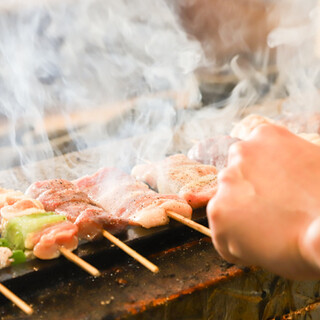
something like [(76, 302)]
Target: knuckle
[(214, 212), (227, 175), (238, 148), (267, 130)]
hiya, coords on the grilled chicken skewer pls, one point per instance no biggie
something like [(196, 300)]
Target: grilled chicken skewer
[(190, 180), (133, 202), (63, 197), (26, 225)]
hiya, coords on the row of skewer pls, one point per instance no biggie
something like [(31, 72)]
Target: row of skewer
[(94, 271), (212, 152)]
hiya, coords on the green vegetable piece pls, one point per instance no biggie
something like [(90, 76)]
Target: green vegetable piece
[(4, 243), (17, 229), (18, 257)]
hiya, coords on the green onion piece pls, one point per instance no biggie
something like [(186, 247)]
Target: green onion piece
[(18, 256), (17, 229), (4, 242)]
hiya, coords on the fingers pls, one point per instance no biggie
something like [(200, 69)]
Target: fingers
[(223, 210)]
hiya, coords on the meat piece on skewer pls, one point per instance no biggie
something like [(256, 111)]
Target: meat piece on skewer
[(43, 233), (8, 197), (66, 199), (26, 225), (20, 208), (5, 255), (212, 151), (130, 200), (190, 180)]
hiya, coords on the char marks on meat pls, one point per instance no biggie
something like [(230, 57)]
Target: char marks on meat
[(130, 200), (65, 198), (190, 180)]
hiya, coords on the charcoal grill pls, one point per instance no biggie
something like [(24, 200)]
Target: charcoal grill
[(193, 282)]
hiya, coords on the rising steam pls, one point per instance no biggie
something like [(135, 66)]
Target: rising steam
[(118, 77), (71, 58)]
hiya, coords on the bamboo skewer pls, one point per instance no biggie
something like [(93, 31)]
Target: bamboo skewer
[(178, 217), (134, 254), (80, 262), (190, 223), (16, 300)]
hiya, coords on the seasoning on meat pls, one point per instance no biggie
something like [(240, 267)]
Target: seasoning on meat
[(190, 180), (129, 200), (64, 198)]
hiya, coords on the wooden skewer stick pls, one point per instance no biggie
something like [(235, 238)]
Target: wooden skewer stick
[(190, 223), (15, 299), (80, 262), (134, 254)]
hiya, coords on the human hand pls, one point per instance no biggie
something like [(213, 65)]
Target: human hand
[(267, 208)]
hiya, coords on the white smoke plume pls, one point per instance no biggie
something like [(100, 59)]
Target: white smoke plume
[(75, 60), (61, 58)]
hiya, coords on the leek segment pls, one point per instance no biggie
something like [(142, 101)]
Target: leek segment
[(19, 228)]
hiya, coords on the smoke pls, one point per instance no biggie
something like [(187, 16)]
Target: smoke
[(119, 81), (63, 65)]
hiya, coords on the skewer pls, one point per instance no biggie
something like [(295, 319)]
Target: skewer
[(190, 223), (80, 262), (16, 300), (134, 254), (178, 217)]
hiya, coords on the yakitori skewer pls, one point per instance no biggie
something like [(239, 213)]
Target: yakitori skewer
[(190, 223), (16, 300), (189, 179), (27, 226), (66, 199), (80, 262), (134, 254)]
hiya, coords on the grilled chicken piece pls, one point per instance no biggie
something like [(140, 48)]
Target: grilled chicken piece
[(190, 180), (8, 197), (5, 254), (129, 200), (64, 198), (19, 208), (212, 151), (45, 242)]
